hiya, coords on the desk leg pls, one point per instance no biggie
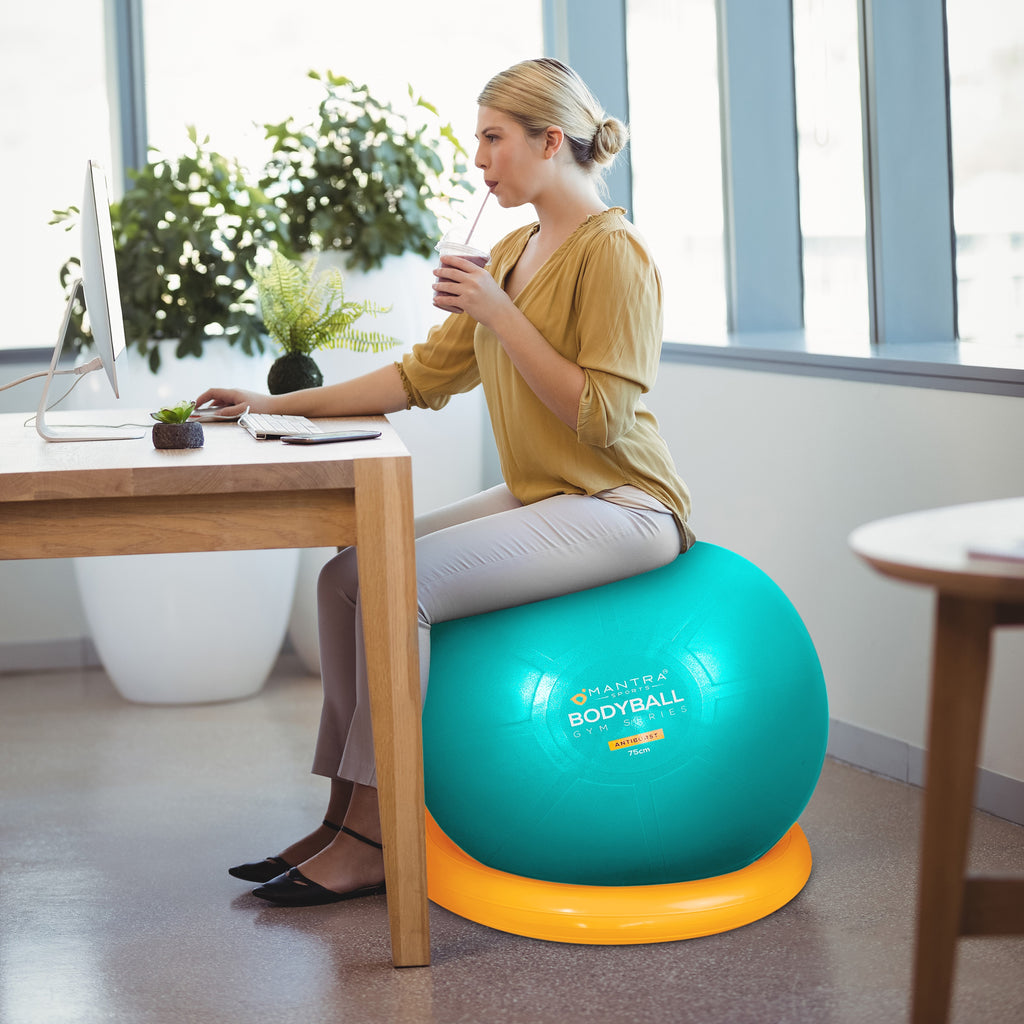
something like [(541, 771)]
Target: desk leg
[(387, 582), (959, 681)]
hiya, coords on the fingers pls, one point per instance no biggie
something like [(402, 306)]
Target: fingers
[(208, 396), (443, 293), (454, 274), (228, 401), (455, 268)]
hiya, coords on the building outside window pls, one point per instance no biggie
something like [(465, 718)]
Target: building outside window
[(54, 118), (831, 166), (986, 101), (676, 152)]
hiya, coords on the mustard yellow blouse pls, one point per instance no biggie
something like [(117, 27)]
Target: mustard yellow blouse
[(597, 300)]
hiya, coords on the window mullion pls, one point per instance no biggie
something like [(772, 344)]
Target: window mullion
[(590, 36), (911, 269), (759, 165), (126, 88)]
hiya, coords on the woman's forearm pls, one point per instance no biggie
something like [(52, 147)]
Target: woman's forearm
[(558, 382), (379, 391)]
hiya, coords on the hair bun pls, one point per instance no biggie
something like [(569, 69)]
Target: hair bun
[(611, 136)]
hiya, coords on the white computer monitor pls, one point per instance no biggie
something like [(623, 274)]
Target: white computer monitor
[(98, 285)]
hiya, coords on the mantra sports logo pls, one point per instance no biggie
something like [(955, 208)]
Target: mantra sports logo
[(614, 700)]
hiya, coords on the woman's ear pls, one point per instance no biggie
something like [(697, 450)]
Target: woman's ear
[(553, 139)]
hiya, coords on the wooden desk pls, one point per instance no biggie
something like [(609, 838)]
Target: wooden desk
[(235, 493), (974, 597)]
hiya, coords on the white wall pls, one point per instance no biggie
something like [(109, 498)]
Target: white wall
[(783, 468)]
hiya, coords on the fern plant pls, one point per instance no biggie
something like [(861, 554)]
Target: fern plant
[(304, 311)]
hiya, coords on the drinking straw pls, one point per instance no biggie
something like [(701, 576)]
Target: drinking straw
[(478, 212)]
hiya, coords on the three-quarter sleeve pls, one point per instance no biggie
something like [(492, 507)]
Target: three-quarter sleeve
[(618, 336), (443, 365)]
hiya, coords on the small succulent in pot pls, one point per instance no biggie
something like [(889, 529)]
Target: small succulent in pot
[(304, 311), (174, 429)]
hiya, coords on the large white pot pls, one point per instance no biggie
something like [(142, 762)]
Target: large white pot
[(188, 628), (194, 627)]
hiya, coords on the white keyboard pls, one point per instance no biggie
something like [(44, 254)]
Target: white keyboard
[(269, 427)]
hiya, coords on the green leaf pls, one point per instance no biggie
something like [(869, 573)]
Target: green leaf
[(175, 414), (304, 311)]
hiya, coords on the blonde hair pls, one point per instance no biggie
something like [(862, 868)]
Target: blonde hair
[(544, 92)]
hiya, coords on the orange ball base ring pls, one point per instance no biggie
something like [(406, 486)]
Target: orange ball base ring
[(614, 915)]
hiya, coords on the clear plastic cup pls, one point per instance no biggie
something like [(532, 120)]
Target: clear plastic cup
[(450, 247)]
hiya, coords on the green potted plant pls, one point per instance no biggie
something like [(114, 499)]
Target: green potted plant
[(304, 311), (174, 429), (185, 232), (363, 177)]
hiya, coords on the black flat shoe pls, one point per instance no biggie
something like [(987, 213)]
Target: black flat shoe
[(260, 870), (294, 889), (266, 870)]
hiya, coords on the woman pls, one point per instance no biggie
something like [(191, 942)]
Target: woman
[(563, 331)]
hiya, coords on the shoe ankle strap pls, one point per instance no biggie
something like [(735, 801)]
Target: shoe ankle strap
[(332, 826), (363, 839)]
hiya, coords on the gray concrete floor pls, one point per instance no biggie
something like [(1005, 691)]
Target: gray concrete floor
[(119, 822)]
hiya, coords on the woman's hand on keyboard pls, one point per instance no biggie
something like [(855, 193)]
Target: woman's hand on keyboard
[(234, 401)]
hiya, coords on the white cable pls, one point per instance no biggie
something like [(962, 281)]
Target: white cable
[(21, 380), (79, 372), (93, 364), (74, 384)]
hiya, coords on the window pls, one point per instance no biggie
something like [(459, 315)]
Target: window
[(986, 100), (254, 70), (55, 119), (677, 157), (831, 166), (226, 69), (840, 255)]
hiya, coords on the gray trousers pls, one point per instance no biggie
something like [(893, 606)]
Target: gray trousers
[(478, 555)]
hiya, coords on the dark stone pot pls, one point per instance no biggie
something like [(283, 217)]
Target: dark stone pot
[(178, 435), (294, 371)]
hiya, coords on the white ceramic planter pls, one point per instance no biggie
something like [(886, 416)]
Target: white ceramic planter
[(188, 628)]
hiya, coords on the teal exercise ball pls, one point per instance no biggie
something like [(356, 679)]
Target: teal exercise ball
[(667, 727)]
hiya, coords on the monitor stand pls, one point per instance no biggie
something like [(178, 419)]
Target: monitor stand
[(48, 431)]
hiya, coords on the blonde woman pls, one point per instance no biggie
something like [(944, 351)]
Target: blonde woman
[(563, 331)]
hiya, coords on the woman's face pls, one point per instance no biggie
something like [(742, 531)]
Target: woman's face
[(510, 160)]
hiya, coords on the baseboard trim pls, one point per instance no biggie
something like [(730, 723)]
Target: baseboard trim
[(895, 759), (49, 656)]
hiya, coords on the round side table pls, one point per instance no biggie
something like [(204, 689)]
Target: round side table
[(973, 556)]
